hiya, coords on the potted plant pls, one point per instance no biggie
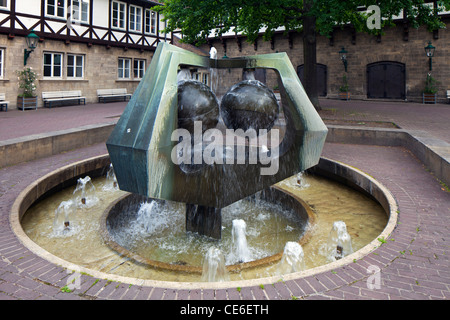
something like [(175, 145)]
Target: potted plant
[(27, 99), (343, 89), (430, 91)]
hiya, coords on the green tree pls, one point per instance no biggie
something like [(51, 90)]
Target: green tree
[(198, 20)]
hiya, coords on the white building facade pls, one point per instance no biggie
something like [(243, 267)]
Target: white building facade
[(83, 44)]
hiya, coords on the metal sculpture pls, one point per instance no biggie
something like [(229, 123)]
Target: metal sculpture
[(144, 152)]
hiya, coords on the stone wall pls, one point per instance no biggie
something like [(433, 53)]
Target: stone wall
[(362, 50)]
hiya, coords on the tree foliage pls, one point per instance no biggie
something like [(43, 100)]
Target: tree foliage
[(198, 20)]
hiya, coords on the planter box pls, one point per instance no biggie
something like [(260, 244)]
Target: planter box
[(344, 95), (429, 97), (27, 103)]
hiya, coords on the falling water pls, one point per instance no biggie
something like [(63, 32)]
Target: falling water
[(240, 251), (249, 74), (214, 76), (184, 74), (214, 268), (339, 242), (292, 259), (152, 217)]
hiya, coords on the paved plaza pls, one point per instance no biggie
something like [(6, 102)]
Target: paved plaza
[(413, 261)]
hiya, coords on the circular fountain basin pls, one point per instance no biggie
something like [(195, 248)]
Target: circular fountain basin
[(59, 181), (274, 217)]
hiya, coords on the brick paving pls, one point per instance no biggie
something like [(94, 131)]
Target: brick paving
[(414, 261), (17, 123), (433, 118)]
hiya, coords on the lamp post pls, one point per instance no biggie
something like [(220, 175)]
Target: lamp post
[(429, 50), (343, 56), (32, 41)]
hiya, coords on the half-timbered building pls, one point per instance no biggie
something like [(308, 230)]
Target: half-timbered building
[(83, 44)]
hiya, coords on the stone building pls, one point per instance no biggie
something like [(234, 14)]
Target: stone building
[(392, 66), (83, 44)]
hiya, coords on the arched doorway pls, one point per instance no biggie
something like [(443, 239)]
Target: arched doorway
[(386, 80), (321, 78)]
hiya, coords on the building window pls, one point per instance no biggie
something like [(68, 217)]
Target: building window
[(124, 68), (56, 8), (150, 21), (80, 10), (118, 14), (2, 55), (3, 3), (135, 18), (138, 68), (75, 66), (202, 77), (53, 65), (205, 79)]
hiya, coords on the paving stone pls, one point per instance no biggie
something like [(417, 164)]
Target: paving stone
[(170, 294), (183, 294), (157, 293), (144, 293)]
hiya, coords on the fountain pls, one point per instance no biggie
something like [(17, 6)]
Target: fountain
[(240, 251), (111, 180), (83, 196), (150, 216), (339, 242), (162, 112), (84, 192), (201, 179), (273, 218), (301, 180), (292, 260), (214, 76), (64, 210), (214, 268)]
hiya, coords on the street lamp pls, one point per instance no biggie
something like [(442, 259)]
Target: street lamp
[(429, 50), (343, 55), (32, 41)]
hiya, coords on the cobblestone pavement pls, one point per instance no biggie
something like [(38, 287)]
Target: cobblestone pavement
[(413, 262)]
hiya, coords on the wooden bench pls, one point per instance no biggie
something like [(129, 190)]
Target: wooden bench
[(111, 94), (50, 97), (3, 103)]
